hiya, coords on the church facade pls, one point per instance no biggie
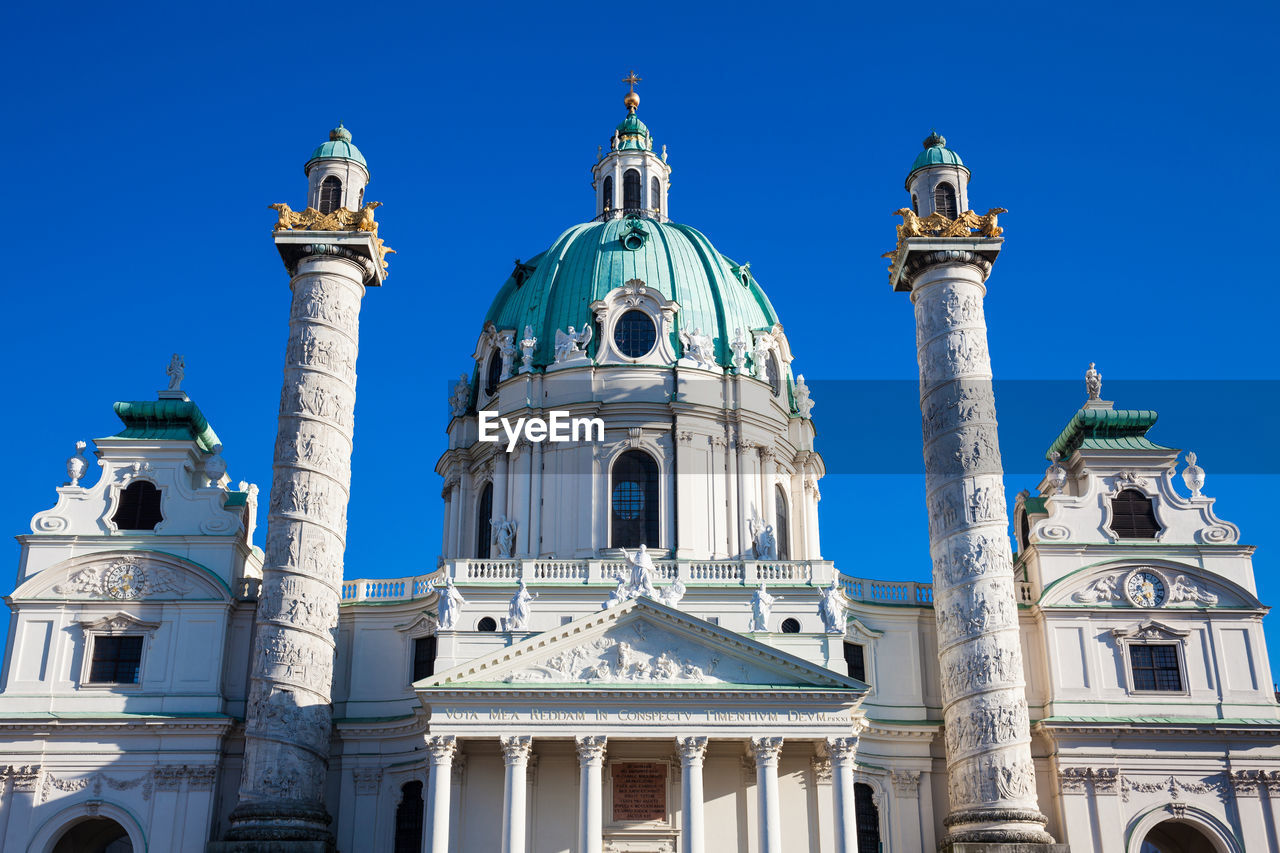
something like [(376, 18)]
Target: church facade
[(633, 639)]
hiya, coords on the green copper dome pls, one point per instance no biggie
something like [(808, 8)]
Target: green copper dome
[(555, 289), (935, 153), (338, 147), (633, 134)]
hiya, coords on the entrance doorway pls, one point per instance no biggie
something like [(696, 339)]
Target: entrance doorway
[(1176, 837), (94, 835)]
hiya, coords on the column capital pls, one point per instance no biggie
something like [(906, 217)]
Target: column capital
[(442, 749), (766, 750), (591, 748), (842, 749), (692, 749), (515, 749)]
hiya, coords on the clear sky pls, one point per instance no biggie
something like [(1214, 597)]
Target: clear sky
[(1131, 143)]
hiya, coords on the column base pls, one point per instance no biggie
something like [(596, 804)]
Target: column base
[(276, 827), (1004, 847)]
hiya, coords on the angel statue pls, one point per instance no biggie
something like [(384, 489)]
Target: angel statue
[(761, 608), (618, 595), (765, 544), (699, 348), (831, 608), (450, 604), (739, 347), (527, 343), (460, 397), (569, 344), (518, 608), (672, 593), (642, 570), (176, 370)]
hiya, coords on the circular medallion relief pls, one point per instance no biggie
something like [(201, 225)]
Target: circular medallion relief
[(1145, 588), (124, 580)]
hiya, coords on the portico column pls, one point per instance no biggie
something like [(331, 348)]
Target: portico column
[(515, 754), (692, 750), (442, 749), (590, 793), (842, 750), (767, 750)]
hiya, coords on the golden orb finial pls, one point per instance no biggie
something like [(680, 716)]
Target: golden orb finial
[(632, 100)]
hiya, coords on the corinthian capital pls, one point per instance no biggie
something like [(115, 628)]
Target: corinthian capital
[(442, 748), (515, 749), (691, 749), (766, 750), (590, 748)]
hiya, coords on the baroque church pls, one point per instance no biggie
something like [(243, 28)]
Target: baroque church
[(674, 665)]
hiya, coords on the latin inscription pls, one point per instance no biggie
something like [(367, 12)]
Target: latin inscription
[(627, 715), (639, 790)]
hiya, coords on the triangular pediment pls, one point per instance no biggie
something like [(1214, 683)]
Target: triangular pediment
[(638, 644)]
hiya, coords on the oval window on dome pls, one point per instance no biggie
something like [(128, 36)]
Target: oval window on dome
[(634, 334)]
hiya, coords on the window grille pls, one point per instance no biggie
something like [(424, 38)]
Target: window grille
[(1155, 667), (1133, 516), (634, 334), (631, 190), (330, 194), (633, 502), (855, 660), (944, 200), (116, 660)]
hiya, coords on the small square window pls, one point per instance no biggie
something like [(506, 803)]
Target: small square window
[(1155, 667), (424, 657), (116, 660), (855, 660)]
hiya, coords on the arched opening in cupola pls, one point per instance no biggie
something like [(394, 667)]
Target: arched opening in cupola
[(139, 507), (783, 530), (484, 522), (944, 200), (330, 195), (631, 190), (1133, 516), (655, 196), (606, 194)]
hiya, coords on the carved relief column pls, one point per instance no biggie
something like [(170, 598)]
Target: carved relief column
[(692, 751), (991, 776), (515, 755), (287, 726), (767, 751), (841, 750), (590, 793)]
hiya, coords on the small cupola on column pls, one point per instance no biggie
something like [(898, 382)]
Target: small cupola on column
[(336, 174), (938, 181), (631, 180)]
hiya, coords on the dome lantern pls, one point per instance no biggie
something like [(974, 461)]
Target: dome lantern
[(630, 180), (938, 180), (336, 173)]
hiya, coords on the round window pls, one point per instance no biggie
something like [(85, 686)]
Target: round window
[(791, 626), (634, 334)]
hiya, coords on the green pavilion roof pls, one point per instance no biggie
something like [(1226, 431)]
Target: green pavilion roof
[(166, 420), (1106, 429)]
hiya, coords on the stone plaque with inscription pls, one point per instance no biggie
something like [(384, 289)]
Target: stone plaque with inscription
[(639, 790)]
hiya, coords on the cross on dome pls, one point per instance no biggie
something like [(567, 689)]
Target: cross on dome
[(632, 100)]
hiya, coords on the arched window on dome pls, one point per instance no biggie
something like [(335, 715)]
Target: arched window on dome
[(484, 522), (139, 507), (1133, 516), (631, 190), (633, 501), (409, 819), (330, 194), (655, 196), (783, 531), (866, 818), (944, 200), (773, 374), (493, 374), (606, 195)]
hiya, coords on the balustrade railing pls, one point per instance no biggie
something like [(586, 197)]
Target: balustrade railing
[(636, 212), (749, 573)]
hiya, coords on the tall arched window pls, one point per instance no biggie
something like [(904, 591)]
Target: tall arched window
[(139, 507), (783, 531), (655, 195), (944, 200), (915, 204), (633, 501), (330, 194), (493, 374), (867, 818), (484, 522), (607, 194), (1132, 516), (409, 819), (631, 190)]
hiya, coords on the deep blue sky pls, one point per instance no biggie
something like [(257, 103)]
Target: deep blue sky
[(1131, 144)]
